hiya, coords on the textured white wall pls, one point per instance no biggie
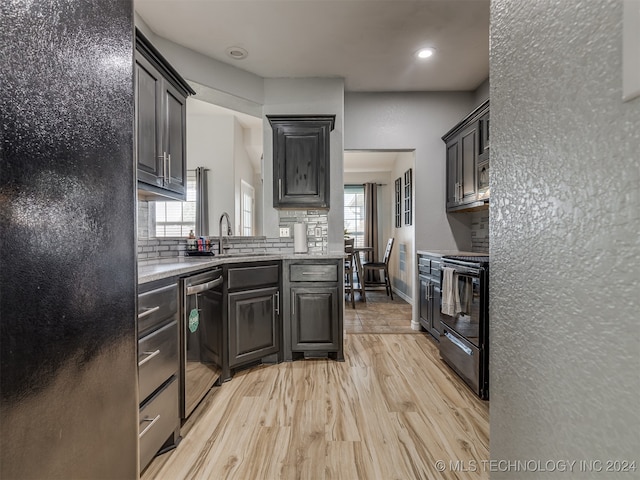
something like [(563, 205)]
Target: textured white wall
[(210, 144), (405, 235), (414, 121), (481, 94), (565, 243), (243, 170)]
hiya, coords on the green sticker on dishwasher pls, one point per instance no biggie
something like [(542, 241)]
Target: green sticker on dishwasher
[(194, 320)]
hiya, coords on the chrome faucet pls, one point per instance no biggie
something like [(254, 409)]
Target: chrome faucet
[(229, 232)]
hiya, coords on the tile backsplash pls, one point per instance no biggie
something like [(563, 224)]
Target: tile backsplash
[(317, 226), (150, 248), (480, 231)]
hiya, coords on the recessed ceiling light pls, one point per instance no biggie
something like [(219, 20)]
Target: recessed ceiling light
[(425, 53), (237, 53)]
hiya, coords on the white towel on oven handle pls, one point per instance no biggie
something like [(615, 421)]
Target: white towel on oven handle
[(450, 293)]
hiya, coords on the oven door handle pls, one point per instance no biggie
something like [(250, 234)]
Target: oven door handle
[(458, 344), (204, 286)]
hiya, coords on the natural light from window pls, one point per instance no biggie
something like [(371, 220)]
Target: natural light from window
[(354, 213), (177, 219)]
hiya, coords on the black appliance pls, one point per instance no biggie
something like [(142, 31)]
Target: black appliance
[(202, 333), (464, 341)]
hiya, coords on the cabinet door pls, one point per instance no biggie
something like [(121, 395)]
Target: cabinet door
[(452, 173), (484, 134), (315, 323), (423, 305), (301, 165), (148, 96), (436, 307), (468, 154), (174, 138), (253, 325)]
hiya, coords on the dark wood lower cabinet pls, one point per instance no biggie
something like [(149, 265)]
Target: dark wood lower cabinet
[(430, 295), (314, 319), (254, 330), (314, 308)]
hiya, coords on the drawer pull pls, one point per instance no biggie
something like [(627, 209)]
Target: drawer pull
[(458, 343), (149, 357), (148, 427), (204, 286), (310, 273), (148, 312)]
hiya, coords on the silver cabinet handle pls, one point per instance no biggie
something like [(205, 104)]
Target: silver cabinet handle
[(164, 165), (204, 286), (458, 344), (277, 303), (168, 168), (309, 273), (149, 356), (279, 188), (148, 311), (148, 427)]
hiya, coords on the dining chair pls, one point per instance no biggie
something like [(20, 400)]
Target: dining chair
[(349, 270), (377, 266)]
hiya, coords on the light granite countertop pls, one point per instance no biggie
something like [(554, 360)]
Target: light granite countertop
[(151, 270)]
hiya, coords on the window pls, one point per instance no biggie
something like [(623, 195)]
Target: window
[(408, 198), (176, 219), (247, 193), (398, 202), (354, 213)]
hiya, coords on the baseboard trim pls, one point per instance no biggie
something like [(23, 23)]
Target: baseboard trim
[(403, 296)]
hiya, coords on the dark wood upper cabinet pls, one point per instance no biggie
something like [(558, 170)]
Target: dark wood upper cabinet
[(467, 160), (301, 159), (161, 118)]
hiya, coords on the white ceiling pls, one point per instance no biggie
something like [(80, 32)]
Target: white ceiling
[(357, 161), (369, 43)]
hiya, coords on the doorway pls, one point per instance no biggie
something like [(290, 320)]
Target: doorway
[(383, 168)]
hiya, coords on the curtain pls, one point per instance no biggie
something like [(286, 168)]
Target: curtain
[(202, 204), (371, 227)]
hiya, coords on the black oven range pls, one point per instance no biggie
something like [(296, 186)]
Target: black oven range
[(464, 342)]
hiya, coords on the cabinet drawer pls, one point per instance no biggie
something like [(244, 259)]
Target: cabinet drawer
[(252, 277), (157, 358), (435, 267), (313, 273), (156, 307), (159, 418)]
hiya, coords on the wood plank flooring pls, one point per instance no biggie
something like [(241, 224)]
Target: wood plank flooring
[(379, 314), (389, 411)]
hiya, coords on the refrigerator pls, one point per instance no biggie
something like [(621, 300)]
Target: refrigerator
[(68, 365)]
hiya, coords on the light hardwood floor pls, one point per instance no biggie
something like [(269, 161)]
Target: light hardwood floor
[(391, 410)]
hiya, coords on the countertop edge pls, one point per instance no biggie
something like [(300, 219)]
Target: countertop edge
[(149, 271)]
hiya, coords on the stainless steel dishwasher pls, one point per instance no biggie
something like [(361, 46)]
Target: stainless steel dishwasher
[(202, 331)]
